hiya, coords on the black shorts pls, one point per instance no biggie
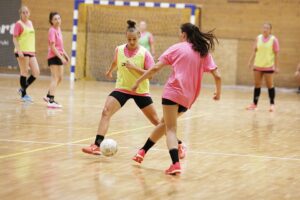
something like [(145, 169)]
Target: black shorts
[(25, 55), (54, 61), (169, 102), (141, 101), (264, 72)]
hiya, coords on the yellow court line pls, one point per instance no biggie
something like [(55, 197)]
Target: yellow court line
[(82, 140)]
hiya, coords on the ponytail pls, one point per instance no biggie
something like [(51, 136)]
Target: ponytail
[(202, 42)]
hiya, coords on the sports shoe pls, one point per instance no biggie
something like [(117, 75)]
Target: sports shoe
[(46, 99), (92, 149), (181, 151), (139, 157), (174, 169), (252, 107), (53, 105), (20, 92), (26, 98), (272, 108)]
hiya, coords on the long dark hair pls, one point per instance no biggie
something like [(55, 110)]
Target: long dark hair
[(51, 15), (202, 42)]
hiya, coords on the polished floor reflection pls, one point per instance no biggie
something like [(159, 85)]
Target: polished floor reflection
[(232, 153)]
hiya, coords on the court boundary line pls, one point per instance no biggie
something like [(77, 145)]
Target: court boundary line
[(153, 149), (90, 138)]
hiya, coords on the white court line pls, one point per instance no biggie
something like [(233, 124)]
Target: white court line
[(155, 149)]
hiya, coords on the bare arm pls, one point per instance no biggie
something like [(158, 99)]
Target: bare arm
[(131, 66), (149, 73), (112, 68), (17, 46), (251, 60), (152, 49), (66, 56), (56, 52), (218, 81), (276, 62)]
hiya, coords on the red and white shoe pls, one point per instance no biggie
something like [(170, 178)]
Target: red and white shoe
[(174, 169), (252, 107), (181, 151), (272, 108), (139, 157), (92, 149)]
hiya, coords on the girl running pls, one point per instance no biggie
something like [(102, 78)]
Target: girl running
[(24, 41), (189, 59), (264, 62), (57, 58), (131, 60)]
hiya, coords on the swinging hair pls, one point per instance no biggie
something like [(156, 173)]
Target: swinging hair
[(202, 42)]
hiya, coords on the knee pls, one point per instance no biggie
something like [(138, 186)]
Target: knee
[(106, 113), (155, 121), (59, 79)]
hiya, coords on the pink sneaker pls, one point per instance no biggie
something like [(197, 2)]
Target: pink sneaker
[(92, 149), (174, 169), (252, 107), (272, 108), (181, 151), (139, 157)]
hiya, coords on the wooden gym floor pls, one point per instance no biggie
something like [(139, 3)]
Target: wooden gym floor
[(232, 153)]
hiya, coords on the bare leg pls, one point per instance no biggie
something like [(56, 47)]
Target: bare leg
[(110, 108)]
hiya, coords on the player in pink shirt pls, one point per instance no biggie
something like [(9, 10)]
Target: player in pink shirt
[(57, 58), (131, 60), (188, 59), (24, 42)]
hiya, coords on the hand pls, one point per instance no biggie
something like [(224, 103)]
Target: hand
[(63, 60), (108, 75), (276, 70), (67, 58), (20, 54), (217, 96), (129, 64), (135, 86)]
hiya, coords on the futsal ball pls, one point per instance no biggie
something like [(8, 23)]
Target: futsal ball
[(108, 147)]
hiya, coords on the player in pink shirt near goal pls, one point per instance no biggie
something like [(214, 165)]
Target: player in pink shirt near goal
[(189, 59)]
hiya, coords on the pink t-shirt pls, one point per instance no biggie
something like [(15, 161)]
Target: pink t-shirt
[(55, 36), (184, 83), (18, 30), (149, 62), (275, 43)]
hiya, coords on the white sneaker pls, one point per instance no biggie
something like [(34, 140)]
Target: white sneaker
[(53, 105)]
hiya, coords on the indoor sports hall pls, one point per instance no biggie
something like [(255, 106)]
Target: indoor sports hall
[(237, 141)]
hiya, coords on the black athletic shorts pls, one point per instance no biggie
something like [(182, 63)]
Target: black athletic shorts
[(169, 102), (141, 101), (25, 55), (264, 72), (54, 61)]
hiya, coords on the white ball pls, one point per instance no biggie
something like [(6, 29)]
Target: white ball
[(108, 147)]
